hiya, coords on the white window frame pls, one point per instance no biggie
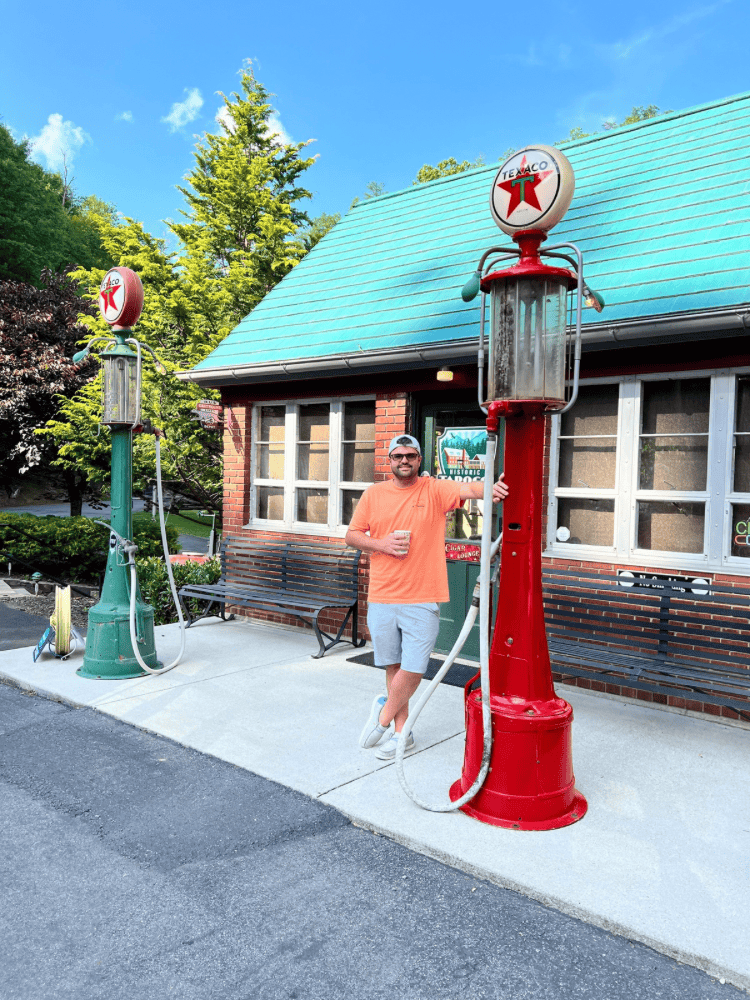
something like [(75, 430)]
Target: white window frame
[(718, 496), (290, 484)]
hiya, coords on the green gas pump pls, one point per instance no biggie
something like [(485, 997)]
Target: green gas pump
[(109, 649)]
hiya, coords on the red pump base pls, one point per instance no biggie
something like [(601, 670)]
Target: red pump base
[(530, 783)]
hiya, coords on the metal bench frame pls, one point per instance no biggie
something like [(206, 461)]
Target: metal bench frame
[(651, 636), (296, 578)]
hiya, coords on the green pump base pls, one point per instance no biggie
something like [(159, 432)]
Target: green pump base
[(109, 652)]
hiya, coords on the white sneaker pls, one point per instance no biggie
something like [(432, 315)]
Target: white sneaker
[(373, 731), (388, 750)]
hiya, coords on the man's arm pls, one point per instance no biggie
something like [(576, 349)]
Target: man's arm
[(391, 545), (475, 491)]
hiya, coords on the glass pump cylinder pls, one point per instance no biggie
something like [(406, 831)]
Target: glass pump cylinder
[(119, 389), (527, 338)]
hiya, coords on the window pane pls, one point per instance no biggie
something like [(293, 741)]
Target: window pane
[(677, 463), (742, 443), (359, 421), (740, 528), (671, 527), (742, 464), (313, 422), (590, 522), (271, 443), (312, 451), (587, 461), (594, 412), (271, 461), (676, 406), (349, 501), (359, 443), (312, 506), (743, 403), (271, 503), (359, 463), (272, 423), (312, 462)]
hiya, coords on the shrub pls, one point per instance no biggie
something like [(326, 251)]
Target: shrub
[(70, 548), (154, 584)]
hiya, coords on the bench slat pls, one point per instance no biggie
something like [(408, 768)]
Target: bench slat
[(297, 578), (669, 641)]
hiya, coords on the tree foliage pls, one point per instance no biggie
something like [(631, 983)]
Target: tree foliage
[(640, 113), (41, 224), (244, 228), (446, 168), (39, 330)]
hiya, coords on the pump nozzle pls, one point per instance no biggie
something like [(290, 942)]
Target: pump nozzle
[(80, 356), (471, 288)]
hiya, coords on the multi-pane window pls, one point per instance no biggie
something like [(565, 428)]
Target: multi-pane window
[(311, 462), (655, 468)]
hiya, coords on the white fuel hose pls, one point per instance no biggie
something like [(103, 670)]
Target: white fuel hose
[(489, 549), (134, 582)]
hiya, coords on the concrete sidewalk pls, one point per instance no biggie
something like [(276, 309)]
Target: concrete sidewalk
[(662, 857)]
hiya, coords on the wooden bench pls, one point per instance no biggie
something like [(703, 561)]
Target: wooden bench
[(682, 639), (289, 577)]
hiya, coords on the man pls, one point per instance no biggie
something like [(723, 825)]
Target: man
[(408, 578)]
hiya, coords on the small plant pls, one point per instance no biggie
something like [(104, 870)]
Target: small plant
[(154, 584)]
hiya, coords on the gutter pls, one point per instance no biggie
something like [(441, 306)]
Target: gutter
[(643, 331)]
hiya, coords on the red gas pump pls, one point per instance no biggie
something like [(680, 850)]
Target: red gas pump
[(530, 783)]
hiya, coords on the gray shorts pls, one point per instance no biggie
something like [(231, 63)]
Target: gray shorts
[(404, 633)]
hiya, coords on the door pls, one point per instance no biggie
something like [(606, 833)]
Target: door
[(453, 448)]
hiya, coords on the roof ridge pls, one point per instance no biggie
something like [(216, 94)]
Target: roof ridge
[(667, 116)]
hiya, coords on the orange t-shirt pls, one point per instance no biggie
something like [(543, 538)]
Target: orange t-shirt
[(385, 507)]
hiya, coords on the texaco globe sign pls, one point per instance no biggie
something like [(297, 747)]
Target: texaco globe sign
[(121, 298), (532, 190)]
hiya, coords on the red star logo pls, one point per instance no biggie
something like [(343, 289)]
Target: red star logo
[(108, 297), (521, 188)]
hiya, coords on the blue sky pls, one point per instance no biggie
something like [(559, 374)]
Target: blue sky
[(382, 89)]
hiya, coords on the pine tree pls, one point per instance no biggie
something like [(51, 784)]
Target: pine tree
[(244, 223)]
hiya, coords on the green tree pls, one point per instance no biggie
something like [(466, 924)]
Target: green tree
[(639, 113), (373, 190), (244, 229), (41, 225), (446, 168), (39, 329), (191, 459), (244, 215), (318, 228)]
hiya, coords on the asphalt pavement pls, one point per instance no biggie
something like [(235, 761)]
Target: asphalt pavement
[(136, 867), (660, 858)]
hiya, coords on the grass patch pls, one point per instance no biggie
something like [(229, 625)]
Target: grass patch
[(182, 524)]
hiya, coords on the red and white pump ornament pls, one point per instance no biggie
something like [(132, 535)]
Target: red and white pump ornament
[(533, 189), (121, 298)]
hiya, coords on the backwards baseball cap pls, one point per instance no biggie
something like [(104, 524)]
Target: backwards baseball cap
[(404, 439)]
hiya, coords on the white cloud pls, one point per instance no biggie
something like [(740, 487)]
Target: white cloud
[(124, 116), (223, 117), (184, 111), (58, 142), (275, 128)]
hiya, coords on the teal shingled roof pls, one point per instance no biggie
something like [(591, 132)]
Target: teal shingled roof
[(661, 212)]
